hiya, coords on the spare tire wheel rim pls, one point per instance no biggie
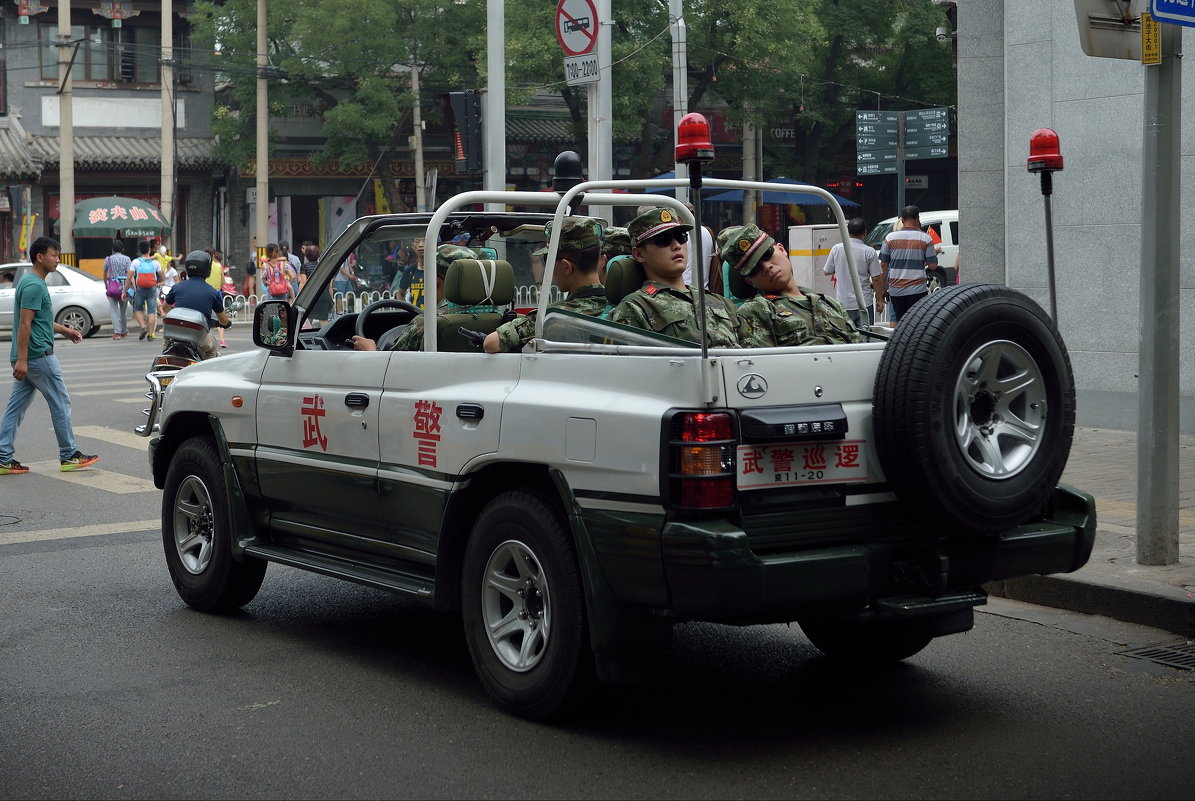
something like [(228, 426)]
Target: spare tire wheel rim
[(999, 409)]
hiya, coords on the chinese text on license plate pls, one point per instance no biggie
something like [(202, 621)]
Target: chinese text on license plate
[(762, 466)]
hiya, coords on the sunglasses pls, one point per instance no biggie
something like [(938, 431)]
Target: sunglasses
[(665, 239)]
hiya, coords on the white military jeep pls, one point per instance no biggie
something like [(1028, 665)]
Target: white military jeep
[(575, 500)]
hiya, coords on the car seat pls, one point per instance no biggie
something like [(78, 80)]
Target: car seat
[(622, 278), (480, 287)]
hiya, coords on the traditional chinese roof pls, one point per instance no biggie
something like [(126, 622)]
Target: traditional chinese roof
[(129, 152), (18, 158)]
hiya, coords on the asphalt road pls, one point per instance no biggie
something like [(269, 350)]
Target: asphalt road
[(111, 688)]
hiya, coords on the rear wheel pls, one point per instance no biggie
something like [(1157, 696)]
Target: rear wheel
[(75, 317), (523, 607), (196, 534)]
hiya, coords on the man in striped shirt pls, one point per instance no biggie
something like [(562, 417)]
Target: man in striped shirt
[(904, 257)]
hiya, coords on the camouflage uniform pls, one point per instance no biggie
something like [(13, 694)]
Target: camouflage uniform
[(774, 320), (673, 312), (411, 337), (780, 320), (577, 235), (590, 300)]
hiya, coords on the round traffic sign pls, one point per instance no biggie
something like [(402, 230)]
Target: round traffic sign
[(576, 26)]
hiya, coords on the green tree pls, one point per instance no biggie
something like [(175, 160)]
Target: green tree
[(807, 65)]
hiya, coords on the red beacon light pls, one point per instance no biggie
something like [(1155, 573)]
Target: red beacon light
[(693, 139), (1044, 153)]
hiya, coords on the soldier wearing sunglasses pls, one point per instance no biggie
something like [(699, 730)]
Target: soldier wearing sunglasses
[(665, 304), (782, 313)]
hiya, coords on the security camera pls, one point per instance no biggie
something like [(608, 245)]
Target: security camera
[(943, 34)]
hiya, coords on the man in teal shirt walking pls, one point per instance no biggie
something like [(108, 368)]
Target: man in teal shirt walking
[(35, 367)]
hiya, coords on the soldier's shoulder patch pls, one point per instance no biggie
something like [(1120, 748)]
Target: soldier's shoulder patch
[(651, 289)]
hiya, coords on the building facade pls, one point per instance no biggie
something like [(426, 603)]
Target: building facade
[(1021, 67), (117, 132)]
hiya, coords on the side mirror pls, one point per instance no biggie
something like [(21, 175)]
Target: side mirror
[(273, 322)]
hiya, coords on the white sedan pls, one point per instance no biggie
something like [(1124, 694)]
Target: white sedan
[(78, 298)]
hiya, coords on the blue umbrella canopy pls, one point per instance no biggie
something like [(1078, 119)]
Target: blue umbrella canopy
[(799, 198)]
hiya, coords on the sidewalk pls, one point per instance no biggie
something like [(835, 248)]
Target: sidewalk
[(1104, 463)]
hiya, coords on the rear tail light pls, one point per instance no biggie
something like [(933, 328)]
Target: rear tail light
[(701, 456)]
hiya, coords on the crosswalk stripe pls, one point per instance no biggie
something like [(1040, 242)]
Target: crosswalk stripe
[(96, 530), (114, 435), (95, 393), (96, 478)]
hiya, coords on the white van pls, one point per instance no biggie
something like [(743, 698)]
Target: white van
[(945, 223)]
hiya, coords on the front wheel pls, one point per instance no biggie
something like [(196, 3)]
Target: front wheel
[(523, 607), (196, 535)]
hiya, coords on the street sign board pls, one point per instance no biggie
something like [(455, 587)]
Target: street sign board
[(581, 69), (1177, 12), (916, 182), (866, 156), (928, 152), (923, 139), (939, 113), (877, 116), (873, 141), (926, 126), (876, 169), (576, 26)]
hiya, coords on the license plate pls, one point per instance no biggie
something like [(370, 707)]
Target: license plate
[(791, 464)]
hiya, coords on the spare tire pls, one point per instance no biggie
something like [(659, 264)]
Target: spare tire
[(974, 407)]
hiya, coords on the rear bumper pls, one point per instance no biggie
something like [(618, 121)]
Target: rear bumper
[(712, 572)]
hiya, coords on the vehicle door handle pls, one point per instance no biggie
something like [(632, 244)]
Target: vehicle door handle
[(356, 400), (470, 411)]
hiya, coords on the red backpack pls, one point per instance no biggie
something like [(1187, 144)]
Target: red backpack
[(276, 283)]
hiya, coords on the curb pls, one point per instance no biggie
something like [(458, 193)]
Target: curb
[(1168, 608)]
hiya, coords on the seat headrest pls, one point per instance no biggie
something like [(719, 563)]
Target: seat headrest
[(623, 276), (474, 282), (738, 284)]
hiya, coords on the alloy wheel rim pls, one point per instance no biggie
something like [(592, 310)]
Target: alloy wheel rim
[(999, 410), (516, 606), (194, 525)]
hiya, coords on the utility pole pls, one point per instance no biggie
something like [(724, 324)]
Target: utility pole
[(495, 100), (66, 141), (417, 140), (680, 81), (262, 221), (167, 192)]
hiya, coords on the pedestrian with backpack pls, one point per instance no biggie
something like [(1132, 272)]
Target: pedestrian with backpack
[(276, 274), (142, 283)]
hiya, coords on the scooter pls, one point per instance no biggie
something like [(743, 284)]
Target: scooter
[(183, 333)]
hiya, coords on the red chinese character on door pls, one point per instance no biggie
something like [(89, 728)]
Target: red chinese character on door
[(312, 410), (427, 431)]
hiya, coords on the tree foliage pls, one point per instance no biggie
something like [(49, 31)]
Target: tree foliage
[(800, 64)]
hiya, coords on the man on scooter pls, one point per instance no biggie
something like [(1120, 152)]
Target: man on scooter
[(196, 293)]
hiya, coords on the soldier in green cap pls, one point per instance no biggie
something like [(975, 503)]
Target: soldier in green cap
[(616, 244), (575, 272), (664, 303), (782, 313), (412, 336)]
